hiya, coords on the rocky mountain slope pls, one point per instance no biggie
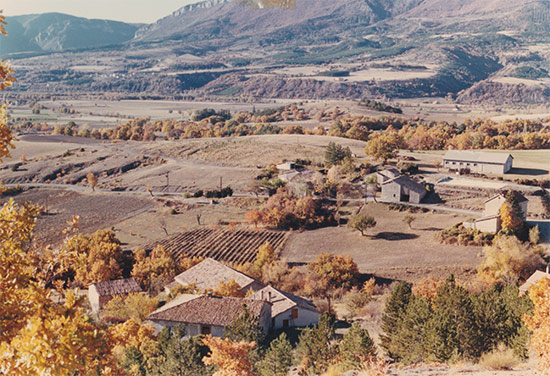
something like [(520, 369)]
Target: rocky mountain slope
[(59, 32), (316, 49)]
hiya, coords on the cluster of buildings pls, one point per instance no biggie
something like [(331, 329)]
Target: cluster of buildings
[(209, 314)]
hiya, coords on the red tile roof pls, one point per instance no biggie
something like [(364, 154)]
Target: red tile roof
[(207, 310)]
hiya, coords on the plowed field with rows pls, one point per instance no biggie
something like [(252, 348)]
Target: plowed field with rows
[(232, 246)]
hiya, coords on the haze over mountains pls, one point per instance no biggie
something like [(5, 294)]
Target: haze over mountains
[(394, 48)]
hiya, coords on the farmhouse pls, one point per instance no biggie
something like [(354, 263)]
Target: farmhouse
[(100, 293), (288, 310), (402, 188), (490, 222), (478, 161), (209, 273), (205, 314)]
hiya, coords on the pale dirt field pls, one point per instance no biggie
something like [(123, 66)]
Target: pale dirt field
[(391, 250)]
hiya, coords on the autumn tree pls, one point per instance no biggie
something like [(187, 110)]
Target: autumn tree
[(37, 335), (92, 180), (130, 307), (231, 358), (539, 323), (253, 217), (383, 146), (97, 257), (329, 273), (362, 223), (155, 270), (229, 288), (508, 260)]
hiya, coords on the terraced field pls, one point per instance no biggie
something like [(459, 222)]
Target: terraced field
[(232, 246)]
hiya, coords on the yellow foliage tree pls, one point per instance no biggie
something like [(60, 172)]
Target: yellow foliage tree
[(155, 270), (132, 334), (37, 335), (230, 288), (134, 307), (232, 358), (508, 260), (511, 222), (96, 258), (539, 323)]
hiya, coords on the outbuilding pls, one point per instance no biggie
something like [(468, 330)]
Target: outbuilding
[(403, 189), (478, 161), (100, 293)]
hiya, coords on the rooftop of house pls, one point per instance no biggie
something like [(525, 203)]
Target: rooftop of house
[(282, 301), (206, 310), (519, 197), (535, 277), (390, 173), (117, 287), (407, 182), (209, 273), (476, 156)]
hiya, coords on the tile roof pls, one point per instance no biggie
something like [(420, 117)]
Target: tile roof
[(407, 182), (282, 301), (209, 273), (117, 287), (207, 310), (476, 156)]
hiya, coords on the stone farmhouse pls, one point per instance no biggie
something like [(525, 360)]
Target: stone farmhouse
[(208, 274), (206, 314), (100, 293), (288, 310), (402, 189), (490, 222), (478, 161)]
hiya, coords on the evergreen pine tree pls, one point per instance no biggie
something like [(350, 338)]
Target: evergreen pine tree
[(315, 349), (246, 327), (409, 339), (395, 307), (356, 347), (278, 358)]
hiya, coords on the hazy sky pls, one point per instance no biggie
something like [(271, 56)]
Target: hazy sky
[(121, 10)]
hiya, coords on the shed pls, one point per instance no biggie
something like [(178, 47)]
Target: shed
[(100, 293)]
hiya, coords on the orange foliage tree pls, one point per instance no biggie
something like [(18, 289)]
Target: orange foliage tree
[(37, 335), (154, 270), (539, 323), (232, 358), (229, 288)]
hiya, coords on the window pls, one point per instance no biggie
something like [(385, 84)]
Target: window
[(205, 330), (285, 323), (295, 313)]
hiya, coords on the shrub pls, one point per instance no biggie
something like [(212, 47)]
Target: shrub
[(198, 194), (499, 359), (460, 235)]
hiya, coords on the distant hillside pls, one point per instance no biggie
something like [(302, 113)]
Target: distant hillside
[(58, 32)]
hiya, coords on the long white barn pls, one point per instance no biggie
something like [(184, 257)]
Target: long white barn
[(478, 161)]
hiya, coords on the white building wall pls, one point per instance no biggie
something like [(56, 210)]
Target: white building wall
[(305, 318), (93, 297)]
